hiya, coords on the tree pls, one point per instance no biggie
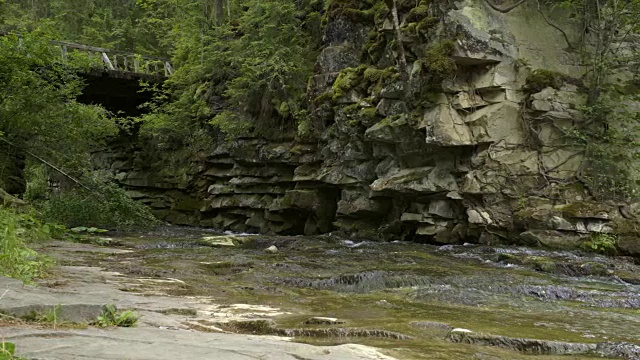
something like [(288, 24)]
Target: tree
[(38, 112), (256, 67)]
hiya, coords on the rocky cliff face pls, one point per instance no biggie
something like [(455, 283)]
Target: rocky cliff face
[(467, 146)]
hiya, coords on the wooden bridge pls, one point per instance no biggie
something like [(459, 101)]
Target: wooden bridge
[(112, 60), (114, 77)]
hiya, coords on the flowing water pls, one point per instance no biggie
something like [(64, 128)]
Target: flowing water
[(402, 297)]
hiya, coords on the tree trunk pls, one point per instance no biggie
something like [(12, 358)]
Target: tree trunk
[(12, 163), (218, 8), (402, 61)]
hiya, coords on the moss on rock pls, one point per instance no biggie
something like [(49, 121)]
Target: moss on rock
[(542, 78), (438, 58)]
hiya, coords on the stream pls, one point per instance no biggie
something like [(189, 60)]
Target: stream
[(403, 298)]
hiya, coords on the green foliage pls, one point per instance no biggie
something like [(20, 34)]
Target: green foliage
[(112, 317), (601, 243), (38, 111), (7, 351), (108, 206), (16, 258), (610, 131), (256, 67), (612, 149), (51, 316)]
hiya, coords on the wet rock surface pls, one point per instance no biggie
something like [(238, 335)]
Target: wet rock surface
[(403, 298)]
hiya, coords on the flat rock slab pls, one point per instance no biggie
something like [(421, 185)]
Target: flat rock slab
[(153, 344), (161, 333)]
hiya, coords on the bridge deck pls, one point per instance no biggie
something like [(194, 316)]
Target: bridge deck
[(117, 63)]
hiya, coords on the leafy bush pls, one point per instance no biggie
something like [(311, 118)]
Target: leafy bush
[(108, 206), (112, 317), (601, 243), (7, 351), (16, 258)]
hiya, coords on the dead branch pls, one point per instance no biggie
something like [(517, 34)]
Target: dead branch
[(48, 164), (402, 61), (564, 34), (504, 10)]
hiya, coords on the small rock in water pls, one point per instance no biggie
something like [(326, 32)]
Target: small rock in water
[(461, 330), (271, 249), (319, 320), (217, 241)]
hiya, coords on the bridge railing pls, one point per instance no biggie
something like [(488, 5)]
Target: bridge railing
[(111, 59), (118, 60)]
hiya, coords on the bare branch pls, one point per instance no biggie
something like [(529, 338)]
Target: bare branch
[(504, 10), (49, 165), (564, 34)]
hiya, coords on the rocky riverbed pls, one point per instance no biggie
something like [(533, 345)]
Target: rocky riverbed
[(239, 296)]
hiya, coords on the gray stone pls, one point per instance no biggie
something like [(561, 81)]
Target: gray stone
[(358, 203), (443, 209), (553, 239), (72, 313), (388, 107), (563, 163), (528, 346), (332, 59), (424, 180), (319, 320), (150, 343), (390, 130), (218, 241), (559, 223), (492, 96), (497, 123), (271, 249), (394, 90), (409, 217), (445, 127), (479, 217), (629, 245), (467, 100)]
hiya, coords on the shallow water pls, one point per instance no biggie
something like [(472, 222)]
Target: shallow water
[(416, 290)]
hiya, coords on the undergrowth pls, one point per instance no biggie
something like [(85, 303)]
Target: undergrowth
[(106, 206), (8, 351), (601, 243), (17, 230), (112, 317)]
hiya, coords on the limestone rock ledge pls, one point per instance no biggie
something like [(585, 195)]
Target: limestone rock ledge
[(475, 157)]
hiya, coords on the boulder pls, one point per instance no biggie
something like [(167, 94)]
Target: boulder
[(271, 249), (629, 245), (467, 100), (443, 208), (445, 127), (478, 216), (499, 122), (391, 130), (553, 239), (358, 203), (219, 241)]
